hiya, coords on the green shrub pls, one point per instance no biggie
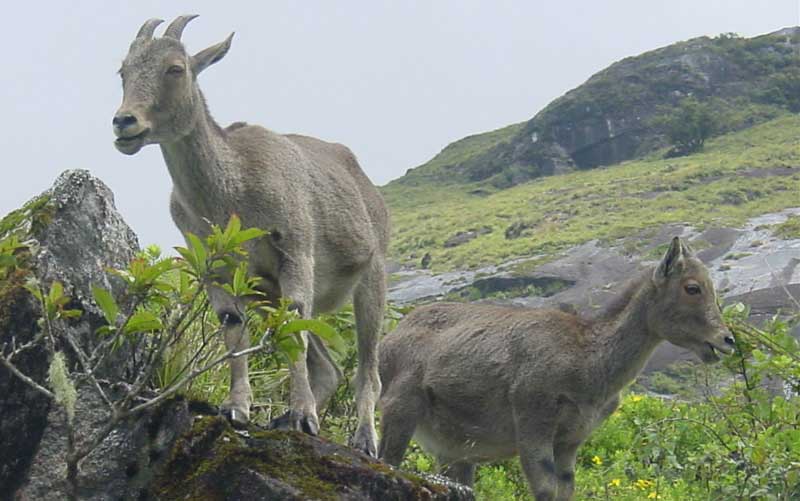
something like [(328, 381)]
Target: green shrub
[(689, 125)]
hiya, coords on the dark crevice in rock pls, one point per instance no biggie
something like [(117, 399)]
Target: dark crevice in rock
[(505, 287)]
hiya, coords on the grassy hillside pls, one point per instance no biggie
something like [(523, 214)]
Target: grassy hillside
[(737, 176), (439, 168)]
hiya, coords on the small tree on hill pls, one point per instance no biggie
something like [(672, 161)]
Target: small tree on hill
[(688, 126)]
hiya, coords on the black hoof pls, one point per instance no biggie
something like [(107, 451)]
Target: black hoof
[(362, 441), (296, 421)]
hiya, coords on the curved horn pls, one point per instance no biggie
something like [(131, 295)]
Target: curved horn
[(175, 28), (147, 29)]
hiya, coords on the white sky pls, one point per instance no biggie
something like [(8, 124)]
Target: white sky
[(395, 81)]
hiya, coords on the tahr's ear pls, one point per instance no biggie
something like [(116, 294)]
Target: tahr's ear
[(687, 251), (672, 262), (211, 55)]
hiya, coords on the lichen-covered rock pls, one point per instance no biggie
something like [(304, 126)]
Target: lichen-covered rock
[(124, 463), (215, 462), (84, 238), (74, 234)]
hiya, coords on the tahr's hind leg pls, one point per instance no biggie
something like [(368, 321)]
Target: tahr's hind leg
[(323, 373), (401, 410), (462, 472), (369, 302), (296, 277)]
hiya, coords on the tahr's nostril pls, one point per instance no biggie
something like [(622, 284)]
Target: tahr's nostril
[(729, 340), (124, 121)]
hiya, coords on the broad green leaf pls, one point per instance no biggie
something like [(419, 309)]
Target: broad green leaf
[(107, 304), (7, 261), (248, 234), (150, 273), (289, 347), (105, 329), (198, 249), (142, 321), (33, 287), (318, 327), (70, 313), (56, 292)]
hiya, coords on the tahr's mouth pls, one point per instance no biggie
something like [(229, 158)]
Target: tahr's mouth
[(130, 139), (710, 355), (131, 144), (712, 352)]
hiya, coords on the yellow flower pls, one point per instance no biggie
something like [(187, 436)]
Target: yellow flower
[(643, 484), (653, 495), (636, 398), (596, 460), (615, 482)]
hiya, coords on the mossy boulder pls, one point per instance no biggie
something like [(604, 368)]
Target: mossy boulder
[(215, 462)]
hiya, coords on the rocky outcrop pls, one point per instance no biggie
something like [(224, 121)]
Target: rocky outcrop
[(609, 118), (174, 450), (74, 234)]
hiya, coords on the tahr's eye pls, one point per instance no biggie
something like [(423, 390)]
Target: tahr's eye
[(693, 289), (175, 70)]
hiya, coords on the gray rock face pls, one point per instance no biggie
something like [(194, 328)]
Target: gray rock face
[(121, 467), (86, 236), (463, 237), (80, 235)]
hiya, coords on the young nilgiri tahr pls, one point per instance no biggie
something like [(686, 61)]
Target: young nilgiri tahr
[(478, 382), (329, 228)]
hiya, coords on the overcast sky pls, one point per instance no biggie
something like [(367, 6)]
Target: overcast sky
[(395, 81)]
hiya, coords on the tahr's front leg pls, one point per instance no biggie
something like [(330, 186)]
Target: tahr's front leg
[(237, 406), (231, 312)]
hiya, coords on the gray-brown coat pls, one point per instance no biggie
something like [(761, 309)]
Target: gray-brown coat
[(329, 228), (478, 382)]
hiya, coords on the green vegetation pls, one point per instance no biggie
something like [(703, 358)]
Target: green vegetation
[(732, 179), (789, 228), (440, 168), (689, 125)]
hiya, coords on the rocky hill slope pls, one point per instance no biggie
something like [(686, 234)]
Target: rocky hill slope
[(738, 176), (613, 116)]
